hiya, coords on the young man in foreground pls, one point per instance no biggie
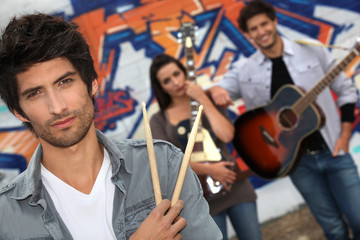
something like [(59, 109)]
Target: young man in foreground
[(79, 184)]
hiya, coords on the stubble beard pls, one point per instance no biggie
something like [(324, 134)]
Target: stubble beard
[(272, 44), (67, 137)]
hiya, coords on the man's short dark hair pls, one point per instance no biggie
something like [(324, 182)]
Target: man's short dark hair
[(37, 38), (254, 8)]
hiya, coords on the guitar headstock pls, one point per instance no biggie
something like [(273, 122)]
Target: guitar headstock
[(187, 34)]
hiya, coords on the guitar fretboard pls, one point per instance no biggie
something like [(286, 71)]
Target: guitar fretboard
[(300, 106), (191, 75)]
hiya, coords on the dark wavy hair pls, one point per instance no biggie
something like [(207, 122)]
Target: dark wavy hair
[(254, 8), (158, 62), (37, 38)]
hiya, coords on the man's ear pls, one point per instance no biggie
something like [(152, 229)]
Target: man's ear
[(95, 88), (20, 117)]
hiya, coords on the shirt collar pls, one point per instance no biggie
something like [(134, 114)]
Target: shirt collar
[(288, 46), (260, 58), (29, 182), (116, 156)]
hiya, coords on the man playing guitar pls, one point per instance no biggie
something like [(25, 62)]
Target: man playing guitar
[(326, 176)]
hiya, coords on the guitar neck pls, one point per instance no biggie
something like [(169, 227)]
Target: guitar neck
[(190, 67), (300, 106)]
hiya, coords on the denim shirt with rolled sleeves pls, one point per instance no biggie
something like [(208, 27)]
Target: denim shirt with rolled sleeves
[(250, 79), (27, 211)]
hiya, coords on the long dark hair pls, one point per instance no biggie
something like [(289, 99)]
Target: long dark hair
[(38, 38), (158, 62)]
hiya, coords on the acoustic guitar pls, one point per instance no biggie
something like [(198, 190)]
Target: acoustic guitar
[(269, 138)]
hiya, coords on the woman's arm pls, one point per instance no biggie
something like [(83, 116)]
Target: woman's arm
[(220, 125)]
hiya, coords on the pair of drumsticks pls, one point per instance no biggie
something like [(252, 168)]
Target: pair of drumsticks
[(185, 161)]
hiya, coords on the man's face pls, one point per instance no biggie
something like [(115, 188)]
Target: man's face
[(56, 102), (262, 30)]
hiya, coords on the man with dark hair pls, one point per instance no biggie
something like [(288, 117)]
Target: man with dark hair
[(326, 176), (80, 184)]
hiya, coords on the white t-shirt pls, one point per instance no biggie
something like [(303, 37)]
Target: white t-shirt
[(87, 216)]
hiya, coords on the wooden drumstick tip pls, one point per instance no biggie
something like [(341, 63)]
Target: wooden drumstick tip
[(186, 158), (152, 159)]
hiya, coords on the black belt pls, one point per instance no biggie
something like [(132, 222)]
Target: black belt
[(315, 143), (312, 151)]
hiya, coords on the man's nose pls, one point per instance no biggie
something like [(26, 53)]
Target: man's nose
[(56, 103)]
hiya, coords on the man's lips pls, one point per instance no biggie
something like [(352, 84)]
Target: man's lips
[(63, 123), (264, 38)]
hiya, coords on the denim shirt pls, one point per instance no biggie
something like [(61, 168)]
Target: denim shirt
[(250, 79), (27, 211)]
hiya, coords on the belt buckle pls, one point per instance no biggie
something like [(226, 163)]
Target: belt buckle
[(312, 152)]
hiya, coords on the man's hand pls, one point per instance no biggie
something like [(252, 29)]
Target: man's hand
[(161, 223), (220, 96), (342, 144)]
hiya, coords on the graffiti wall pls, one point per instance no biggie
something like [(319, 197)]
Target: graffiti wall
[(124, 35)]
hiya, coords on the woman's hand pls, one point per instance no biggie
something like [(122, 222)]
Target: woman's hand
[(194, 91), (220, 171)]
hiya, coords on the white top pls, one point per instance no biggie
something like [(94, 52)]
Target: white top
[(87, 216), (250, 79)]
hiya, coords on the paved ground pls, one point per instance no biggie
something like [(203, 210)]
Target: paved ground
[(297, 225)]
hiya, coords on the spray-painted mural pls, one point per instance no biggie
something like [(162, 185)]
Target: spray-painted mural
[(124, 35)]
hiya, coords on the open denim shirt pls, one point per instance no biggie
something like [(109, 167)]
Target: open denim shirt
[(27, 211)]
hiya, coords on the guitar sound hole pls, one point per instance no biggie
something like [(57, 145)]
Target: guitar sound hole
[(287, 118)]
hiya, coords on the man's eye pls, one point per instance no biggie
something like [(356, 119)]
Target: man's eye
[(65, 81), (33, 94)]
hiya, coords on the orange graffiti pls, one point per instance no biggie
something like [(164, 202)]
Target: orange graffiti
[(21, 142)]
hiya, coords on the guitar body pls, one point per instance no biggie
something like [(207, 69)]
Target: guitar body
[(269, 138), (204, 150), (211, 189), (204, 147)]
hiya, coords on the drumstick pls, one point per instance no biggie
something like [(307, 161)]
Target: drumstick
[(186, 158), (321, 45), (152, 160)]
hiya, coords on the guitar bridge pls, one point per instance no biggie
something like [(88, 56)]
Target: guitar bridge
[(268, 138)]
